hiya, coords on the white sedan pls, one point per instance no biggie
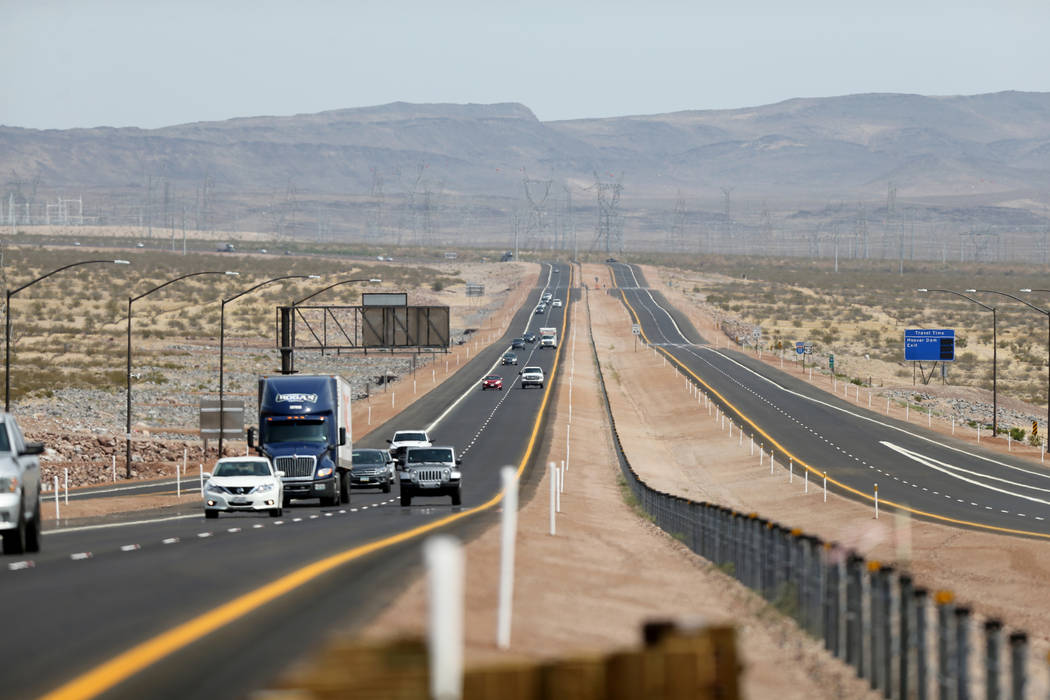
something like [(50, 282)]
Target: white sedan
[(247, 484), (556, 302)]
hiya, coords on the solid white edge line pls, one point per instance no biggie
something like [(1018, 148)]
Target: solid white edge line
[(109, 525)]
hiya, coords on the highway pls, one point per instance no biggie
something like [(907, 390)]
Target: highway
[(173, 606), (933, 477)]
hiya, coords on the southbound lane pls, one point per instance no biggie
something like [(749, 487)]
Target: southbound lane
[(932, 476), (220, 607)]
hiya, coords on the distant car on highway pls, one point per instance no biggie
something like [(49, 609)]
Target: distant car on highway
[(532, 376), (529, 337), (20, 513), (372, 469), (492, 381), (509, 358), (555, 270), (243, 484), (610, 260), (546, 297), (517, 344), (542, 308), (556, 302)]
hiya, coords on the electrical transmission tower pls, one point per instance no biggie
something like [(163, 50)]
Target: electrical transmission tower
[(538, 221), (676, 234), (609, 229)]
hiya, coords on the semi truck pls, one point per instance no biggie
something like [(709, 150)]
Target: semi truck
[(305, 429), (548, 337)]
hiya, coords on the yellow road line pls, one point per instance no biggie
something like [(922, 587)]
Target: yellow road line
[(118, 669), (815, 471)]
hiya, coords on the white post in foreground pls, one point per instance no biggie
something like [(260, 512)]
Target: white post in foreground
[(370, 414), (184, 460), (65, 482), (554, 494), (825, 487), (443, 556), (506, 558), (806, 489), (114, 468), (200, 472), (56, 499), (561, 479), (791, 471), (876, 501)]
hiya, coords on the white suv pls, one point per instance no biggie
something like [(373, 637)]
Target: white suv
[(19, 489), (532, 376), (404, 439)]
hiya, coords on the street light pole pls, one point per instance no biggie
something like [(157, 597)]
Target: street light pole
[(7, 319), (127, 431), (222, 343), (1047, 312), (995, 350), (375, 280)]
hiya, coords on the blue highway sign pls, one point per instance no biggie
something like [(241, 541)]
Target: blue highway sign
[(929, 345)]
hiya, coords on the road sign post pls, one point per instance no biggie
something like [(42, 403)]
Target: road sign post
[(637, 330)]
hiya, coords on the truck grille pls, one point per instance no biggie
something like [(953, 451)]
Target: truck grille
[(296, 467), (429, 475)]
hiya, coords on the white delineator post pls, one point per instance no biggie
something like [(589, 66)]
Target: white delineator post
[(561, 478), (184, 460), (200, 473), (65, 483), (876, 501), (508, 534), (443, 556), (113, 466), (791, 471), (554, 494), (825, 487), (806, 489), (56, 498)]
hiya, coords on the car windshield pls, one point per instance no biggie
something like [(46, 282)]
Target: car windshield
[(254, 468), (410, 437), (296, 431), (5, 446), (493, 378), (532, 369), (435, 454), (367, 457)]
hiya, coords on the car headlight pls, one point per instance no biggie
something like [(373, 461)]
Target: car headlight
[(212, 488), (446, 472), (263, 488), (8, 484), (324, 472)]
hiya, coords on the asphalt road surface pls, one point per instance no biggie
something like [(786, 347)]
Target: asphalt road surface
[(173, 606), (932, 476)]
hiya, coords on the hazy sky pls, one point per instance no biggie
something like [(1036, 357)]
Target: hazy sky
[(152, 63)]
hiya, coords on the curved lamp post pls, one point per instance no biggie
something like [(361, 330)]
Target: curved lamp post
[(7, 324), (376, 280), (222, 342), (127, 432), (995, 350)]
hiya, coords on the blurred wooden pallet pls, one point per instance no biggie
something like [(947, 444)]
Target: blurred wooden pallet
[(674, 663)]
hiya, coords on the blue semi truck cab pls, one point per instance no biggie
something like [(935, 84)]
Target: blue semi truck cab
[(305, 428)]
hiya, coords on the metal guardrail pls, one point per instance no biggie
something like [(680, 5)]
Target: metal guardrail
[(904, 641)]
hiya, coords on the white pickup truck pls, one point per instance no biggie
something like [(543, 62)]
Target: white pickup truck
[(548, 337)]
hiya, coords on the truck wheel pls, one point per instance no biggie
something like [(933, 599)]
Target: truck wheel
[(386, 487), (211, 514), (15, 540), (406, 497), (275, 512), (344, 489), (286, 501), (457, 497), (33, 531)]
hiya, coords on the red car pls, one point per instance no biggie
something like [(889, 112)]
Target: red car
[(493, 381)]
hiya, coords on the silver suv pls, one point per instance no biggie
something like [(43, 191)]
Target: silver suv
[(19, 489), (429, 471)]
